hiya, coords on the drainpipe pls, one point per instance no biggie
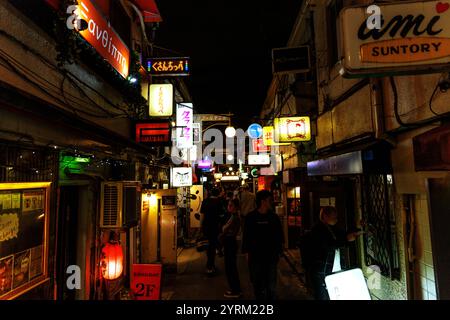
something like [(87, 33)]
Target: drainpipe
[(376, 99), (410, 224)]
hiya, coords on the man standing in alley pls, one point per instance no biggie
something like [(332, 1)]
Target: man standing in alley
[(211, 210), (263, 243)]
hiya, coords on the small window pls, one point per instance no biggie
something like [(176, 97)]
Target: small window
[(332, 27)]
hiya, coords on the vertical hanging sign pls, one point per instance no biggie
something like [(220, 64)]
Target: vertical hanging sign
[(161, 100), (185, 116)]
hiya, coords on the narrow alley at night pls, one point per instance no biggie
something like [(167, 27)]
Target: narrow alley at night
[(262, 154)]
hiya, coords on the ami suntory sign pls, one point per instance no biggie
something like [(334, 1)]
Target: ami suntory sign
[(413, 37)]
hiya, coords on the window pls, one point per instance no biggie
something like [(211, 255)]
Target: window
[(380, 243), (332, 27)]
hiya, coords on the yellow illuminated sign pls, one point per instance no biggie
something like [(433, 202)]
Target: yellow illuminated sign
[(268, 137), (292, 129), (161, 100)]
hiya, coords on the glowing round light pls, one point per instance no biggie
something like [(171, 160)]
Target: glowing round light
[(230, 157), (230, 168), (230, 132)]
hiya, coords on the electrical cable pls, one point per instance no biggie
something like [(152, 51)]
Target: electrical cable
[(52, 65), (431, 101), (417, 123)]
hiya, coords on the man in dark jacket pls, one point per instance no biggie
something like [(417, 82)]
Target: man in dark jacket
[(325, 240), (211, 210), (262, 240)]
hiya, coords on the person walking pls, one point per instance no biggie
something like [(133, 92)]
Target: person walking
[(325, 240), (228, 238), (262, 241), (211, 210)]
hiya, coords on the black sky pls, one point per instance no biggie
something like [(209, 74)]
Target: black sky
[(230, 44)]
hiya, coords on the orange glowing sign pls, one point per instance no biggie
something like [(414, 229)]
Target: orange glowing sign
[(103, 37)]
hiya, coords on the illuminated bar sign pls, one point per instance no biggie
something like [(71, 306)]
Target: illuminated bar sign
[(292, 129), (185, 116), (258, 146), (258, 159), (413, 37), (103, 37), (181, 177), (168, 66), (153, 133), (161, 100), (268, 136)]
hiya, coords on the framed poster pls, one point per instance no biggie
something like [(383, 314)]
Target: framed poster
[(24, 218)]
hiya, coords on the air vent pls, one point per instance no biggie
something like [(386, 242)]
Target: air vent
[(111, 205)]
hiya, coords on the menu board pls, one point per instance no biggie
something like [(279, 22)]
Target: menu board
[(22, 239)]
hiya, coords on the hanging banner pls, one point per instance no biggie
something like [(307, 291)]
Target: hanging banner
[(292, 129), (161, 100), (184, 134), (412, 37), (146, 281), (103, 37), (268, 137)]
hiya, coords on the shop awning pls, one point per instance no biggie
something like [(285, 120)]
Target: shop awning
[(149, 10)]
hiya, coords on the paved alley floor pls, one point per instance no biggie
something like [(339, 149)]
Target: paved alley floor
[(192, 283)]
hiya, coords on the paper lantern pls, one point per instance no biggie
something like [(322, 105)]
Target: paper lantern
[(112, 261)]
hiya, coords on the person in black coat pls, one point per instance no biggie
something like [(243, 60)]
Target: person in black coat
[(262, 240), (324, 242)]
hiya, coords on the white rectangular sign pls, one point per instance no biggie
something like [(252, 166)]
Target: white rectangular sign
[(259, 159), (181, 177), (347, 285), (185, 116), (411, 37)]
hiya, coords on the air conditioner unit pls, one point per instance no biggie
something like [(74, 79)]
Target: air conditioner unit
[(120, 204)]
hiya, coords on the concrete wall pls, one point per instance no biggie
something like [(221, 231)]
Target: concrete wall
[(24, 30)]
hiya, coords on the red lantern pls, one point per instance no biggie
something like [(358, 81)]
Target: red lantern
[(112, 261)]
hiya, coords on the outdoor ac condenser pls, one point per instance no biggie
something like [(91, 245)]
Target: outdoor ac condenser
[(120, 204)]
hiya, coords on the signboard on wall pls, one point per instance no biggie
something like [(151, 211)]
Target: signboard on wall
[(184, 132), (258, 159), (292, 129), (168, 66), (146, 281), (104, 38), (181, 177), (414, 37), (258, 146), (23, 237), (269, 136), (161, 100), (153, 132), (291, 60)]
